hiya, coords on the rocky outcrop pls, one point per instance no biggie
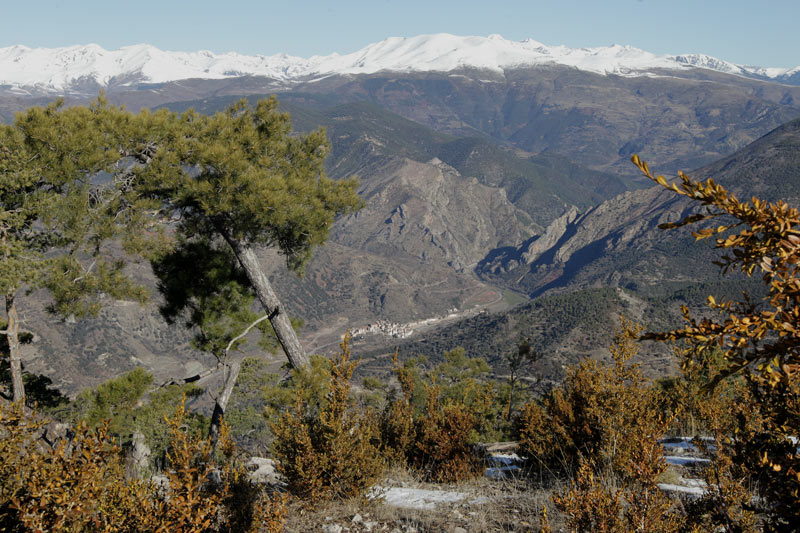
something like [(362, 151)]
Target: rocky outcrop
[(430, 212), (627, 224), (620, 242), (550, 238)]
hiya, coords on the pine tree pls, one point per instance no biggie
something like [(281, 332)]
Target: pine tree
[(240, 178), (58, 209)]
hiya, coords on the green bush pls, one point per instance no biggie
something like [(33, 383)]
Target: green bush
[(124, 401)]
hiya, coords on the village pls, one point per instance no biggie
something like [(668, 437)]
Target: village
[(399, 331)]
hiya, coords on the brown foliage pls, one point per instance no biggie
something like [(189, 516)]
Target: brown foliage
[(80, 485), (436, 442), (73, 486), (598, 501), (588, 505), (593, 412), (442, 449), (603, 423), (760, 342), (330, 452), (397, 426)]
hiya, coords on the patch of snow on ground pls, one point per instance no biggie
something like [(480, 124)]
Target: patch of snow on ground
[(680, 460), (692, 491), (423, 499), (417, 498), (502, 465)]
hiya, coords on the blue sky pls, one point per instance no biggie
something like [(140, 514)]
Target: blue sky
[(759, 32)]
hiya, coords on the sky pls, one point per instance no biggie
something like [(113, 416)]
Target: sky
[(750, 32)]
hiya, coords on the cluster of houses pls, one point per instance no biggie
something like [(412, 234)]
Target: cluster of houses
[(392, 329), (398, 331)]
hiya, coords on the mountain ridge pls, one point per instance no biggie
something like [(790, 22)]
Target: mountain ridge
[(618, 242), (87, 67)]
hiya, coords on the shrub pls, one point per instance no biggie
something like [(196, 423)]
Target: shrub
[(124, 401), (329, 451), (436, 440), (80, 484), (397, 420), (593, 412), (760, 342), (603, 423), (441, 450)]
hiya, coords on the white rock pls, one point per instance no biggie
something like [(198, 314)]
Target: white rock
[(262, 470)]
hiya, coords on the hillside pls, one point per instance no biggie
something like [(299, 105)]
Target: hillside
[(364, 136), (567, 326), (588, 268), (619, 242)]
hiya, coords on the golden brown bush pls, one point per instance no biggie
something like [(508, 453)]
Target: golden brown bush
[(441, 450), (589, 504), (597, 500), (760, 344), (593, 412), (76, 486), (333, 451), (713, 415), (80, 484), (604, 424), (397, 421), (435, 442)]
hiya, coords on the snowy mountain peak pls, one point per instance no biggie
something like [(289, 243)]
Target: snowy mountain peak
[(60, 69)]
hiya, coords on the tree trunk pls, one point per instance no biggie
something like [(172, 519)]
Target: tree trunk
[(222, 401), (269, 300), (14, 356), (511, 396)]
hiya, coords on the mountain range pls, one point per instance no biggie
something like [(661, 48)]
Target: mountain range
[(492, 171), (74, 68), (587, 268)]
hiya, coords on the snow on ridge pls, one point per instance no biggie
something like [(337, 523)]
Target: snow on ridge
[(60, 68), (705, 61), (444, 52)]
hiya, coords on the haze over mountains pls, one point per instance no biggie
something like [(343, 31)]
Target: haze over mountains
[(492, 171)]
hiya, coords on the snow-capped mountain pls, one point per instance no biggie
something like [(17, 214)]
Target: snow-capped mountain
[(712, 63), (59, 69)]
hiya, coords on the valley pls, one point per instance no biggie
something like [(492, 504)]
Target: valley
[(497, 196), (438, 283)]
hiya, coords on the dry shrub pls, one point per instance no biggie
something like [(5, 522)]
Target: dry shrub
[(436, 442), (442, 451), (332, 451), (80, 484), (728, 414), (397, 421), (591, 504), (760, 344), (594, 413), (603, 423)]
